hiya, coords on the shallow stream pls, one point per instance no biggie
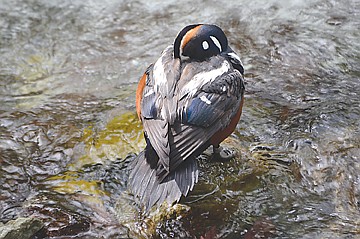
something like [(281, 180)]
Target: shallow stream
[(68, 74)]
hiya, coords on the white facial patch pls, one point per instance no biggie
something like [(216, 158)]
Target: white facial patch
[(206, 100), (216, 42), (205, 45)]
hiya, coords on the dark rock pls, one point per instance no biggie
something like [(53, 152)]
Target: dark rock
[(20, 228)]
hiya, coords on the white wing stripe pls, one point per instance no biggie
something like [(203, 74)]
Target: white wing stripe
[(203, 78)]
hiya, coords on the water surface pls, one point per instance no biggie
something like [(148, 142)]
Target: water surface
[(68, 74)]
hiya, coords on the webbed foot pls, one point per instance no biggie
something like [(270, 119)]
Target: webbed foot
[(223, 154)]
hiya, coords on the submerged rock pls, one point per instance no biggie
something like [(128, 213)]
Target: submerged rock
[(20, 228)]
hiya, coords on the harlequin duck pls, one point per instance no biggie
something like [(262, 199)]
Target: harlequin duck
[(189, 99)]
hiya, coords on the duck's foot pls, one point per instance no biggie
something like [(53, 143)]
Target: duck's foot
[(223, 154)]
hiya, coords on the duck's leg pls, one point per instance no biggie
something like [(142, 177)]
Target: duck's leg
[(223, 154)]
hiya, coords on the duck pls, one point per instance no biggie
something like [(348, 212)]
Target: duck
[(189, 99)]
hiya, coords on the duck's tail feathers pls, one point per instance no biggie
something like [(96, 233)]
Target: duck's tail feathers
[(150, 191)]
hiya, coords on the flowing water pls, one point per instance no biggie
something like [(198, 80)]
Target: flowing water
[(68, 73)]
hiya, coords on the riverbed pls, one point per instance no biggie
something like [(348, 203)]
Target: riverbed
[(68, 126)]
